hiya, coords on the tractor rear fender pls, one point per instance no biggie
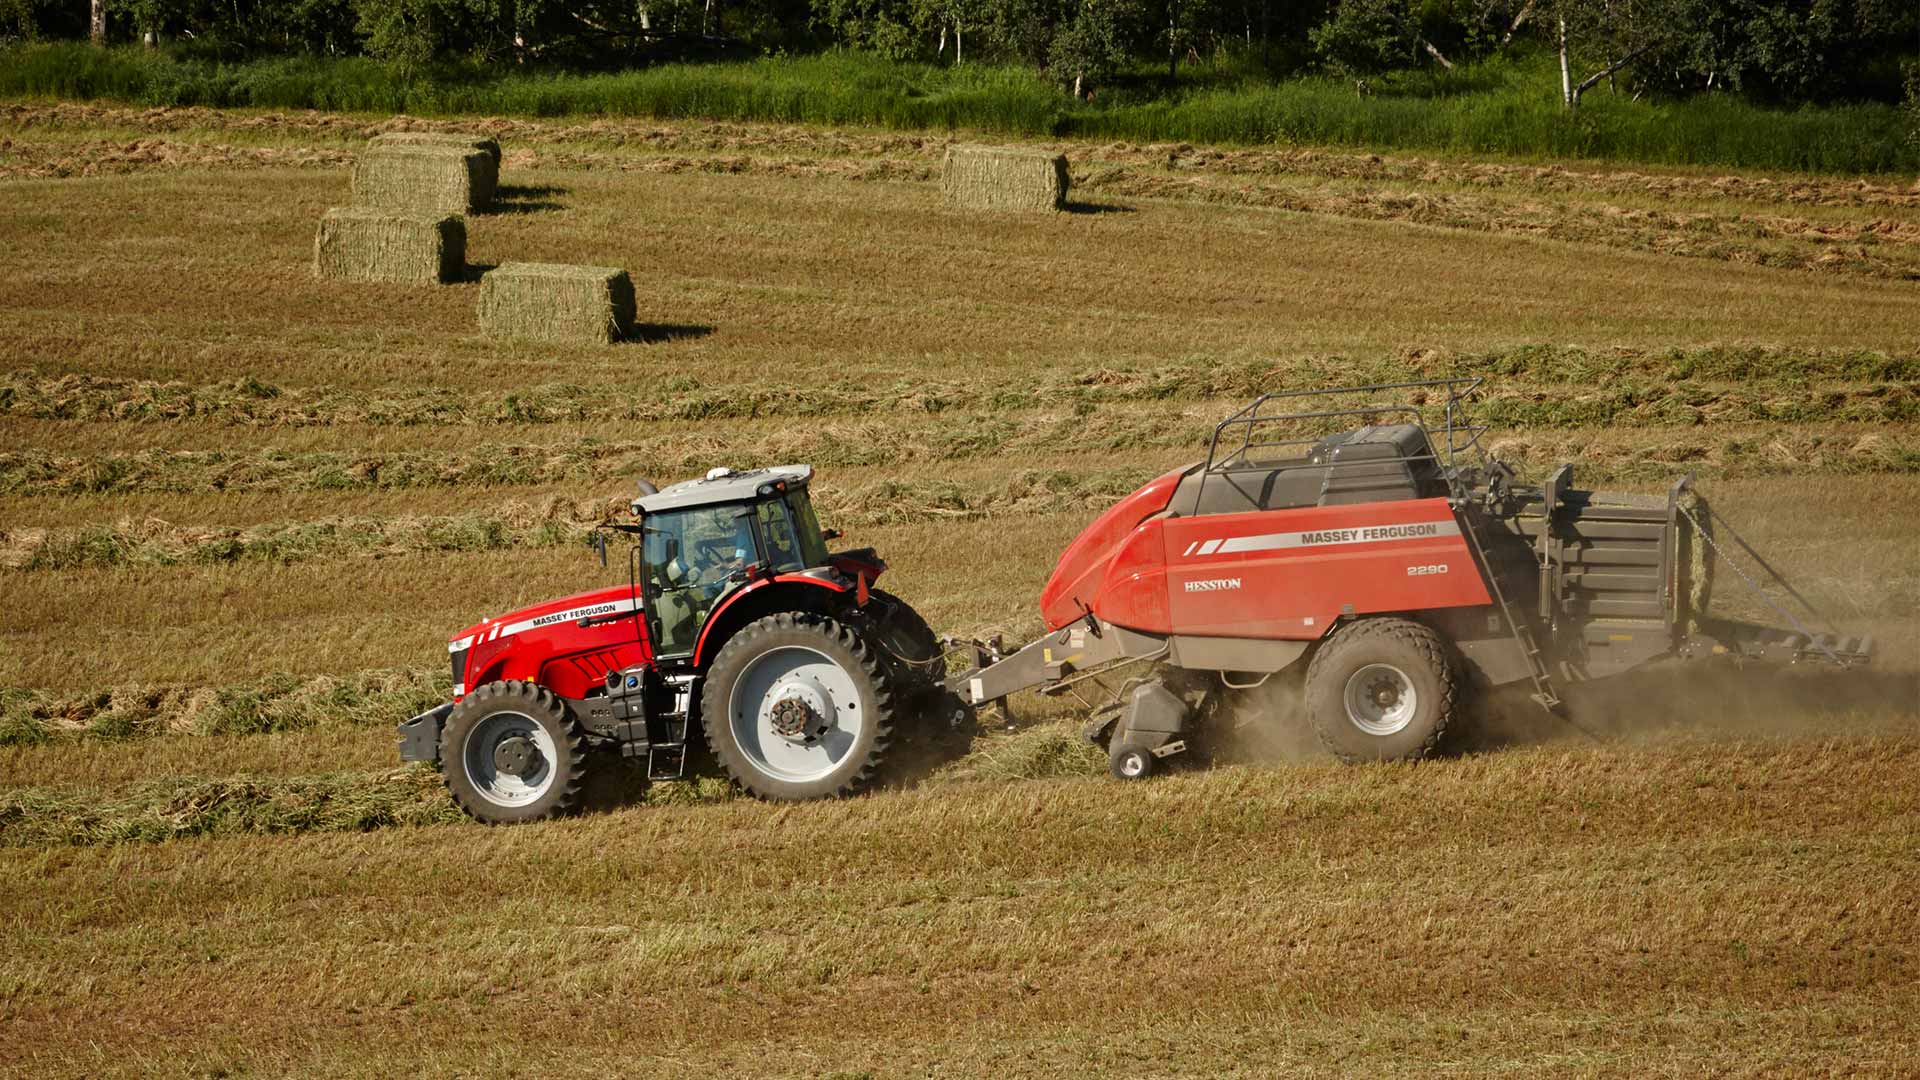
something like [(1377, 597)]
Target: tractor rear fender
[(782, 592)]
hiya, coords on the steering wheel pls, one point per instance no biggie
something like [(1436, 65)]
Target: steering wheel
[(711, 555)]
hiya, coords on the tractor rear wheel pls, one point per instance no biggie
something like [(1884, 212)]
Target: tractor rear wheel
[(796, 706), (911, 644), (511, 753), (933, 718), (1381, 690)]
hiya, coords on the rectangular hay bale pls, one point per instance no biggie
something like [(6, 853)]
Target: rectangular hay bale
[(557, 302), (367, 243), (484, 143), (432, 179), (1004, 178)]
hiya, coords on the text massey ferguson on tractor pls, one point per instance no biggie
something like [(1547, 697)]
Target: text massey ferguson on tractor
[(736, 621)]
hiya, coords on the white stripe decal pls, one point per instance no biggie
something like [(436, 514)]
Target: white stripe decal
[(1190, 548), (591, 610), (1361, 534)]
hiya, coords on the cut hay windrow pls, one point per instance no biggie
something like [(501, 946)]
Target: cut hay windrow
[(262, 706), (424, 179), (1004, 178), (155, 542), (365, 243), (1881, 248), (232, 806), (1793, 384), (1633, 454), (558, 303)]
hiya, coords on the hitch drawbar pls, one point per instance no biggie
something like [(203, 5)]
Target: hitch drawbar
[(1048, 659), (1147, 719)]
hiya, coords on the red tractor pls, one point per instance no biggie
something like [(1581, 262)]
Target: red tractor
[(736, 621), (1380, 570)]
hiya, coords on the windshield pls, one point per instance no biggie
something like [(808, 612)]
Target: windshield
[(792, 533), (813, 545), (691, 557)]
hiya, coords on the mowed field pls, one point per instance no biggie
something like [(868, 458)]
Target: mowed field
[(241, 509)]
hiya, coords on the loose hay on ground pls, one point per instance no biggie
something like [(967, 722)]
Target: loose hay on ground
[(556, 302), (364, 243), (432, 179), (1004, 178)]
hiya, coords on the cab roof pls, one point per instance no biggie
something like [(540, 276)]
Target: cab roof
[(721, 486)]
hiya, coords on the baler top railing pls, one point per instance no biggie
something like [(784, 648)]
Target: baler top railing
[(1457, 437)]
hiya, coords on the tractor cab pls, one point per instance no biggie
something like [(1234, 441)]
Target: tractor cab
[(705, 538)]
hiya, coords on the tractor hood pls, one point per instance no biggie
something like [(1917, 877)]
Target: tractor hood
[(564, 611), (519, 644), (1082, 569)]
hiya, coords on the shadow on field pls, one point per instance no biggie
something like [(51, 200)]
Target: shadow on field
[(655, 333), (1073, 207), (526, 199), (476, 271)]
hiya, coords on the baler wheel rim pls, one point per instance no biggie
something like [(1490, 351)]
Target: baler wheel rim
[(1369, 711)]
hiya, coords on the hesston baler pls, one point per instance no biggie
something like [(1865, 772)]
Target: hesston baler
[(1375, 553)]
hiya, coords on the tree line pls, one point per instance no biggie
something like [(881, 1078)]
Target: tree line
[(1771, 51)]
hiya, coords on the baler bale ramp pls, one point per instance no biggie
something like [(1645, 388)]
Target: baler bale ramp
[(1374, 550)]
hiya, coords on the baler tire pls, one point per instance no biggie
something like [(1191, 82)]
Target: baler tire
[(1401, 651), (1132, 763), (501, 702), (831, 640)]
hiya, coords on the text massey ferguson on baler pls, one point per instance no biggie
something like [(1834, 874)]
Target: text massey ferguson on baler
[(736, 621), (1387, 566)]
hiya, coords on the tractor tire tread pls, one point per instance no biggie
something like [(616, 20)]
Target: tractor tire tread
[(532, 696), (743, 775), (911, 624)]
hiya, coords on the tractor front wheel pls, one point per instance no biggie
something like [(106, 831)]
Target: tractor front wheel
[(796, 706), (511, 753), (1381, 690)]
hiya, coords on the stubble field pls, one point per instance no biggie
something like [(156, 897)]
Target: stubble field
[(240, 510)]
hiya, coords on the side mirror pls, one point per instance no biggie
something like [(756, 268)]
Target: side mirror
[(830, 534)]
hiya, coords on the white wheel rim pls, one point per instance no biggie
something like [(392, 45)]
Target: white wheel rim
[(1381, 699), (503, 788), (825, 689), (1133, 763)]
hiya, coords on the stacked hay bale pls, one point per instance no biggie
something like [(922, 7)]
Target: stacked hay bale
[(488, 184), (1004, 178), (365, 243), (425, 177), (557, 303)]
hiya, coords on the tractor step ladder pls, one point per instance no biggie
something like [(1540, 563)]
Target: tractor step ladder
[(1544, 694), (655, 728)]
